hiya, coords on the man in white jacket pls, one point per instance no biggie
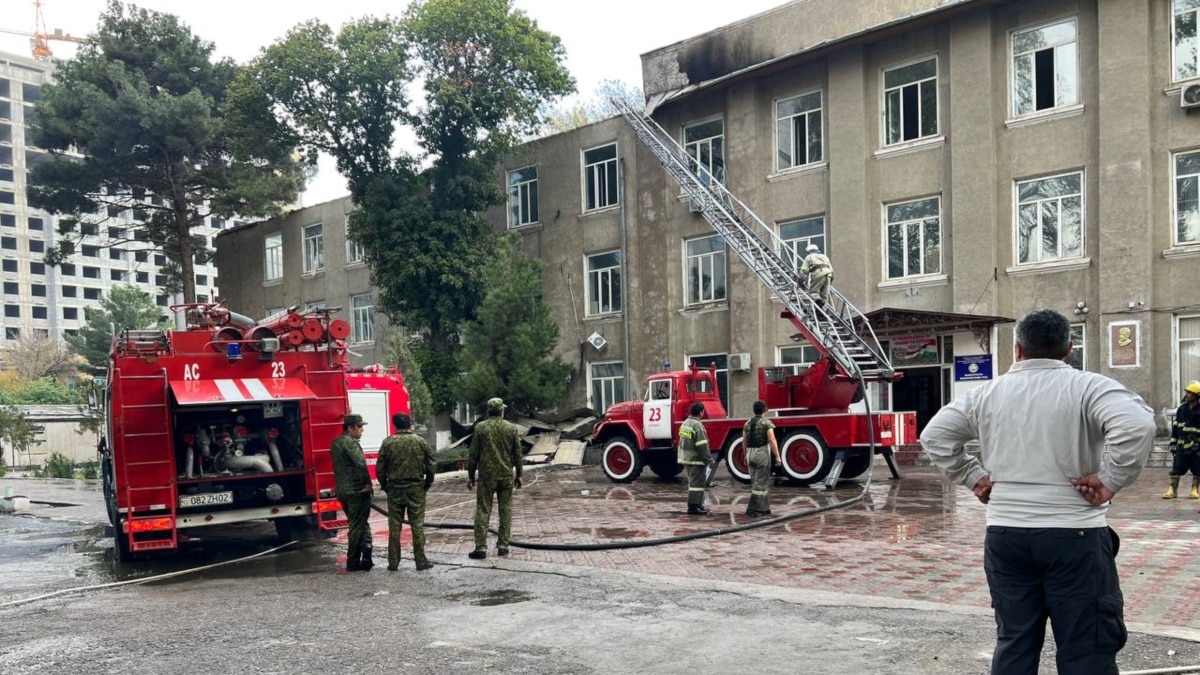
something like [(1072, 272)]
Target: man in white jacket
[(1042, 471)]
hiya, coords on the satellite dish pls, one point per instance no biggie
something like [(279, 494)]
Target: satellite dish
[(597, 340)]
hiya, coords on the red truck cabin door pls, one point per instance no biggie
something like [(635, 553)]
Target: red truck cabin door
[(656, 414)]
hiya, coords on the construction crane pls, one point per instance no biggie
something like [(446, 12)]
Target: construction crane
[(40, 38)]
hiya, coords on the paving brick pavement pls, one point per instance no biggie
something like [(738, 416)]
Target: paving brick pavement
[(913, 539)]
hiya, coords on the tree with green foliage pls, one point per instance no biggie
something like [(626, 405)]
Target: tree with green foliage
[(16, 431), (134, 122), (487, 69), (124, 307), (400, 352), (509, 349), (591, 110)]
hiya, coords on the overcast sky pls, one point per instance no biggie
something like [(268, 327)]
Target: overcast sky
[(603, 39)]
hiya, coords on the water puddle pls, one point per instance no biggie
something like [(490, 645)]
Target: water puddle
[(505, 596)]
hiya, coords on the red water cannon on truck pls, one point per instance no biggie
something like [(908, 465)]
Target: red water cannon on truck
[(820, 436), (227, 421)]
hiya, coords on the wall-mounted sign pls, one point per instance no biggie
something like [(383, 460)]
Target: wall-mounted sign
[(1124, 342), (915, 350), (970, 368)]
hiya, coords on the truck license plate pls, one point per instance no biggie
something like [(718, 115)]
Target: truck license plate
[(205, 499)]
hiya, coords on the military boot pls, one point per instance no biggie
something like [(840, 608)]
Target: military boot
[(367, 562), (353, 563), (1170, 493), (1195, 488)]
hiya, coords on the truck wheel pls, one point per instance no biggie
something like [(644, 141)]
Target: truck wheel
[(806, 459), (121, 552), (735, 461), (666, 468), (622, 462), (856, 465)]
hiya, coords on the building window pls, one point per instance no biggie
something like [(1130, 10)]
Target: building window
[(910, 102), (37, 268), (201, 298), (796, 235), (604, 283), (607, 385), (705, 269), (1050, 218), (143, 277), (362, 308), (90, 251), (9, 265), (141, 256), (1187, 196), (522, 196), (12, 311), (314, 249), (355, 253), (273, 256), (1077, 359), (38, 290), (160, 260), (201, 279), (705, 147), (8, 220), (69, 292), (1187, 43), (116, 275), (37, 246), (67, 269), (8, 243), (797, 357), (71, 313), (7, 197), (162, 300), (89, 229), (39, 313), (91, 294), (36, 224), (600, 177), (1045, 68), (914, 238), (160, 280), (1188, 347), (116, 254), (798, 131), (12, 333), (91, 272), (11, 288)]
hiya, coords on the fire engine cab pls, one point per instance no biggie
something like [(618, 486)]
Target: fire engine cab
[(227, 421)]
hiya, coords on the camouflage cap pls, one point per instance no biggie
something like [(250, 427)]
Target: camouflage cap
[(495, 404), (352, 420)]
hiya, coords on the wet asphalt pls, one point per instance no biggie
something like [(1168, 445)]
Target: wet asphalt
[(670, 609)]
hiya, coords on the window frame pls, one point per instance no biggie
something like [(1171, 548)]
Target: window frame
[(693, 161), (1078, 347), (820, 114), (588, 181), (1177, 371), (1175, 14), (1175, 240), (796, 253), (1012, 71), (313, 249), (887, 224), (522, 196), (610, 382), (687, 269), (356, 253), (603, 275), (362, 319), (937, 103), (1016, 214)]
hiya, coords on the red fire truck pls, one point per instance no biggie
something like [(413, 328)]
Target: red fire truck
[(820, 437), (376, 392), (224, 422)]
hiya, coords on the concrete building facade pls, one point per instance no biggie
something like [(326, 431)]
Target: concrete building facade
[(961, 161), (304, 259), (51, 300)]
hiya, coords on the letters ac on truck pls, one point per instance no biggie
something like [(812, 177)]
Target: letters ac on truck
[(224, 422)]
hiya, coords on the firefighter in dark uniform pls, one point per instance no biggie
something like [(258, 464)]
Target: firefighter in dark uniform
[(1185, 442), (696, 457), (762, 452), (495, 455), (353, 487), (405, 471)]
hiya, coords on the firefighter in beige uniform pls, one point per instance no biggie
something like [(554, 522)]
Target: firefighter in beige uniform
[(817, 265), (695, 456)]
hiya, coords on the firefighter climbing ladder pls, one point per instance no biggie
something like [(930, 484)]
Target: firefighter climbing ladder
[(829, 329)]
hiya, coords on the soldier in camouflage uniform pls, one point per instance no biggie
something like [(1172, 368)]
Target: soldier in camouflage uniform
[(696, 457), (495, 454), (405, 472), (762, 450), (354, 490)]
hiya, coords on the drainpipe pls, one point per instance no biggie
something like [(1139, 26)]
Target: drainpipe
[(624, 277)]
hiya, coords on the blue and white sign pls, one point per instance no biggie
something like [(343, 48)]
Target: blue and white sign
[(968, 368)]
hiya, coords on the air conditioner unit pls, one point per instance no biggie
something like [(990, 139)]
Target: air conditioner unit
[(1189, 96), (597, 340), (739, 362)]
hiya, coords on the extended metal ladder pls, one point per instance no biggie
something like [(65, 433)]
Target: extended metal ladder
[(831, 329)]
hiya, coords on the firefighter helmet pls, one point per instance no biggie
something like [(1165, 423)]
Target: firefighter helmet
[(1193, 387)]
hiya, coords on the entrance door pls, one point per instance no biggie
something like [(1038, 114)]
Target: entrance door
[(920, 391)]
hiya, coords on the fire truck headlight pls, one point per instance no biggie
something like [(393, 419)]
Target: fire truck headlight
[(274, 492), (268, 345)]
